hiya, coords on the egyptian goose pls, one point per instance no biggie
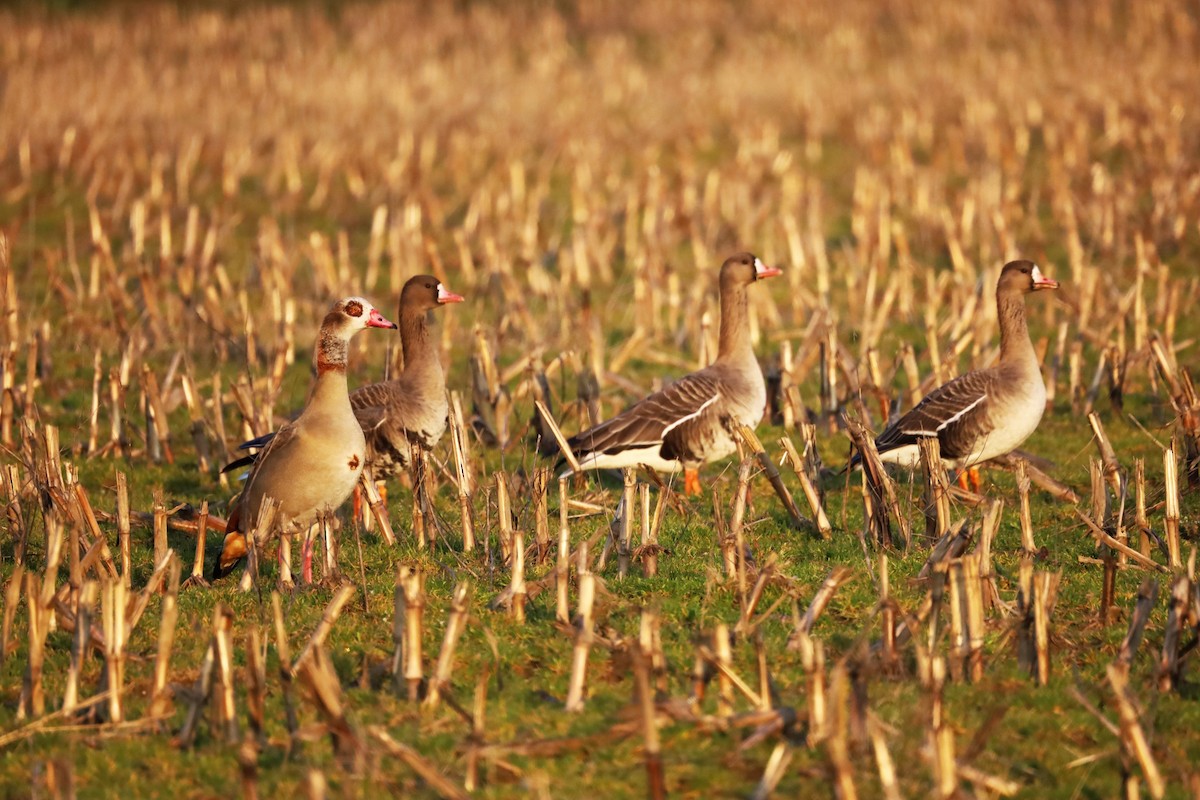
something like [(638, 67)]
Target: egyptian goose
[(412, 409), (312, 463), (693, 420), (986, 413)]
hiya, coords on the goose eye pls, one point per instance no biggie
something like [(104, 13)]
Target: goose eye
[(354, 308)]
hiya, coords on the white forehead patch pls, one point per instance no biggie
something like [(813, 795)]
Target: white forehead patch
[(1036, 274), (759, 267)]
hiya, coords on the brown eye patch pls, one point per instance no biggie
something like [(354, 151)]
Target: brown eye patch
[(354, 308)]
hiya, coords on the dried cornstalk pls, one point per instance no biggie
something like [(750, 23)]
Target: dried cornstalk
[(1026, 516), (837, 747), (12, 599), (774, 771), (772, 472), (937, 491), (541, 480), (324, 626), (644, 696), (649, 548), (223, 653), (812, 659), (113, 615), (628, 513), (197, 576), (160, 525), (411, 580), (123, 529), (98, 538), (1171, 490), (256, 684), (32, 692), (887, 618), (503, 515), (325, 689), (723, 655), (195, 416), (583, 641), (737, 529), (1108, 456), (562, 610), (161, 696), (200, 692), (518, 577), (1147, 596), (378, 508), (941, 735), (811, 494), (458, 440), (1170, 665), (563, 447), (284, 653), (330, 546), (836, 577), (725, 541), (880, 489), (1141, 519), (429, 773), (1045, 588), (80, 645), (966, 612), (1133, 738), (988, 531), (457, 622)]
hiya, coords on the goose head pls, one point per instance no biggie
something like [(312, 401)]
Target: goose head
[(1022, 277), (346, 318), (423, 292), (351, 315), (743, 269)]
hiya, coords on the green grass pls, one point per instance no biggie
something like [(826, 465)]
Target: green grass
[(675, 129), (1042, 730)]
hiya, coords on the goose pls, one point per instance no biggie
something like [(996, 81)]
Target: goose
[(694, 420), (312, 463), (986, 413), (410, 410)]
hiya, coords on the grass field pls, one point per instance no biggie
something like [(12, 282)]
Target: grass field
[(184, 189)]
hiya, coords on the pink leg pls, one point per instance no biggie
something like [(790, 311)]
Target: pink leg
[(307, 556)]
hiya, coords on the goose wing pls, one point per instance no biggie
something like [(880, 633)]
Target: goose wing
[(272, 444), (668, 419), (956, 413)]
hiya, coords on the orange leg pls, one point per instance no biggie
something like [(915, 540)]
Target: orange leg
[(969, 480), (357, 502), (691, 481), (976, 482), (382, 492)]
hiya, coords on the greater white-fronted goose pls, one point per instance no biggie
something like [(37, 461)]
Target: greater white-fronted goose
[(989, 412), (693, 420), (411, 410), (312, 463)]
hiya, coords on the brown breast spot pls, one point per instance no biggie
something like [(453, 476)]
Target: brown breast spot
[(354, 461)]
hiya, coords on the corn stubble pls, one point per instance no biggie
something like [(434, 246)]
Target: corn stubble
[(162, 252)]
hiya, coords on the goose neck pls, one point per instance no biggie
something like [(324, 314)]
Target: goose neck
[(1015, 345), (418, 343), (734, 343)]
